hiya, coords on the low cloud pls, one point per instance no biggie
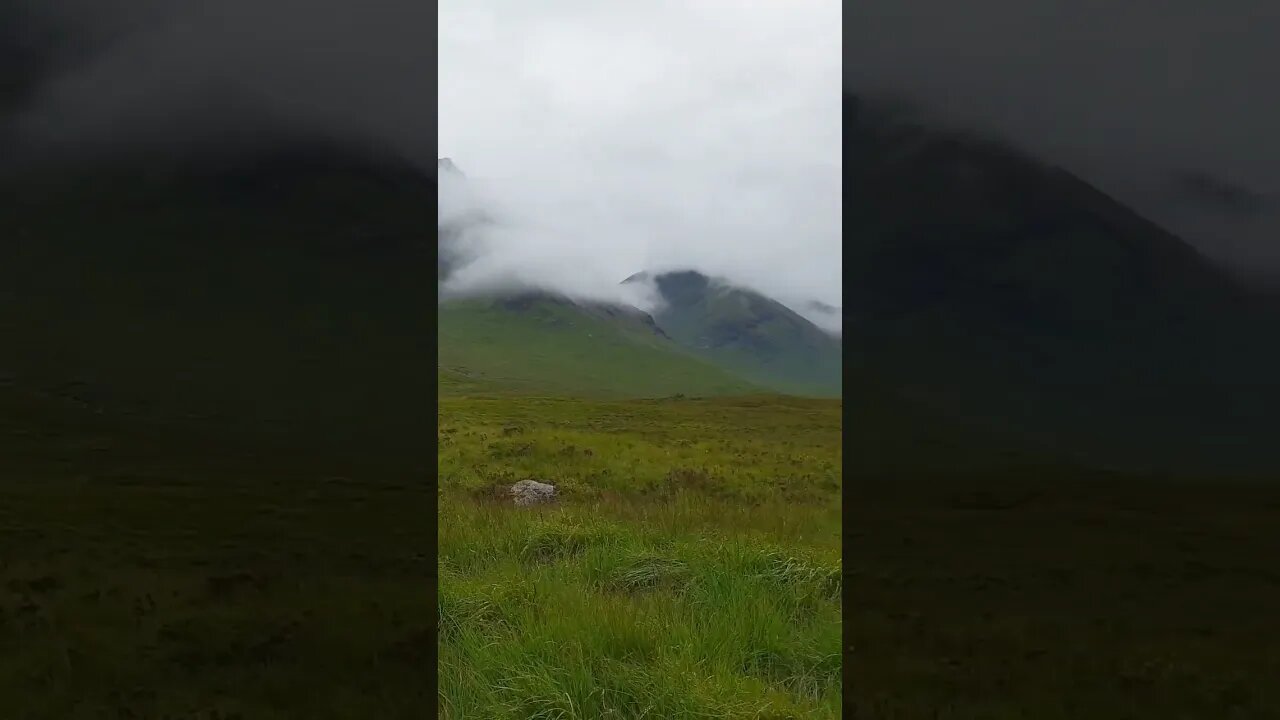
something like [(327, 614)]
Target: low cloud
[(652, 137), (113, 76)]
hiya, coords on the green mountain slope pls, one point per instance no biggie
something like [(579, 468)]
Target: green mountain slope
[(541, 344), (749, 334)]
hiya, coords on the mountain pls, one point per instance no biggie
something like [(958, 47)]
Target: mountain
[(995, 286), (709, 339), (541, 343), (748, 333), (275, 291), (828, 317), (445, 165)]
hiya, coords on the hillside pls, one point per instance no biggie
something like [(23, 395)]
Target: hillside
[(993, 286), (278, 292), (706, 340), (542, 344), (748, 333)]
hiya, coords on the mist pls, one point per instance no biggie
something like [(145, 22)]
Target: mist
[(1132, 97), (115, 77), (608, 141)]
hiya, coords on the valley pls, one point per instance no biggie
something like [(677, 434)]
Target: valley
[(690, 563)]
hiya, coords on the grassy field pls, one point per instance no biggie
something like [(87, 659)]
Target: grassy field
[(150, 571), (692, 568)]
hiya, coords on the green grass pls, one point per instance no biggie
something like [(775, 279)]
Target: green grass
[(692, 568)]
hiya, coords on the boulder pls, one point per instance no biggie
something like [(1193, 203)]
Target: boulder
[(532, 492)]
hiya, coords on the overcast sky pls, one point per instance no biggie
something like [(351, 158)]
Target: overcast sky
[(619, 137), (1126, 94), (169, 74), (626, 136)]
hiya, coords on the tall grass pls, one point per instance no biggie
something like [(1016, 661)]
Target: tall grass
[(683, 575)]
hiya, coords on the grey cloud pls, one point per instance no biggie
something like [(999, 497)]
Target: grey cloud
[(1213, 194), (160, 75)]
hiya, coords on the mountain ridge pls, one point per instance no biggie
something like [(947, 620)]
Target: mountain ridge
[(742, 331), (996, 284)]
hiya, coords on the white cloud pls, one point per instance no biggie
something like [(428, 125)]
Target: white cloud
[(624, 137)]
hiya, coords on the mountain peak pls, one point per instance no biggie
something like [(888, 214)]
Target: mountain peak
[(677, 286), (446, 165)]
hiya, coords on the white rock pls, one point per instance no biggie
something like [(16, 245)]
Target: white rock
[(532, 492)]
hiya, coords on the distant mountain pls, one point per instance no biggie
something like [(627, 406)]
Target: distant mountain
[(748, 333), (828, 317), (542, 343), (996, 286), (261, 281), (707, 339), (274, 291), (445, 165)]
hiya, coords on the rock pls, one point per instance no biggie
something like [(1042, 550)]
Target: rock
[(532, 492)]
